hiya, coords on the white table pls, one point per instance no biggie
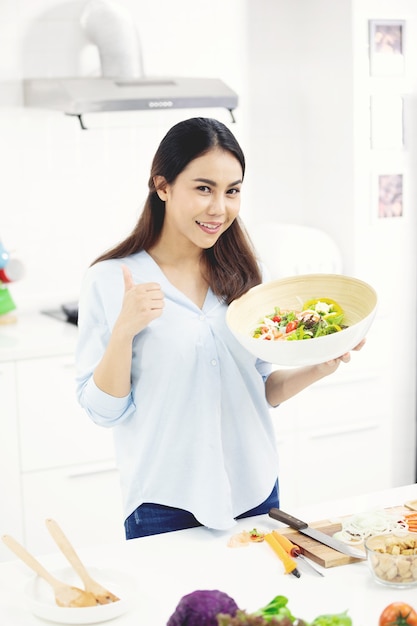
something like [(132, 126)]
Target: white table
[(171, 565)]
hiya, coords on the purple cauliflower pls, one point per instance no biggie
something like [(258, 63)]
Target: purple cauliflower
[(200, 608)]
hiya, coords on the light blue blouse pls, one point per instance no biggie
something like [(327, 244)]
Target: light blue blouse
[(195, 432)]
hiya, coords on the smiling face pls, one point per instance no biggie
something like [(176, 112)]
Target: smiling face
[(203, 200)]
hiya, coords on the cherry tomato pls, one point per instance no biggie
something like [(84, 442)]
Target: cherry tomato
[(291, 326), (276, 318), (398, 614)]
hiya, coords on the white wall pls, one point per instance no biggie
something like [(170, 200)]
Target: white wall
[(301, 79), (386, 250)]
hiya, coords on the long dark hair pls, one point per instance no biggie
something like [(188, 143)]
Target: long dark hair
[(230, 265)]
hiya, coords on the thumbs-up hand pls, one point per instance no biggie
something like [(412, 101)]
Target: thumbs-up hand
[(142, 303)]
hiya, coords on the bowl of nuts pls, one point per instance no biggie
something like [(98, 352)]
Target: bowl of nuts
[(392, 558)]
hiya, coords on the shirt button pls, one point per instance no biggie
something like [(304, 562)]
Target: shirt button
[(202, 317), (213, 362)]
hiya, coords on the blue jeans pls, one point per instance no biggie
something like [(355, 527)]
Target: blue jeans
[(153, 519)]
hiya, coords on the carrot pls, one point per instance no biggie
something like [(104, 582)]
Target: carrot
[(411, 521), (288, 562)]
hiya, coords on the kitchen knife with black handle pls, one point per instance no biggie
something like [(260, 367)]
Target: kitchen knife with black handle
[(319, 536)]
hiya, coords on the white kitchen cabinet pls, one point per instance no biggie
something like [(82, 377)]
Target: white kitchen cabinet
[(54, 430), (67, 463), (85, 500), (333, 461), (334, 438), (342, 461), (54, 461), (10, 494)]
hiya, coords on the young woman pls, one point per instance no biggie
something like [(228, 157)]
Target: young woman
[(189, 406)]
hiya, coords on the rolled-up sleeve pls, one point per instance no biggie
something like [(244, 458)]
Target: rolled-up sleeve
[(97, 312), (105, 410)]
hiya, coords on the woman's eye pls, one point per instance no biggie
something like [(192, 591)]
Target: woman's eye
[(203, 188), (233, 191)]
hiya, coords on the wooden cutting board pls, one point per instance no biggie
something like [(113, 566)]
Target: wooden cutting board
[(318, 552)]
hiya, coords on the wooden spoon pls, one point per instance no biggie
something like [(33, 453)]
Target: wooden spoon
[(65, 595), (102, 595)]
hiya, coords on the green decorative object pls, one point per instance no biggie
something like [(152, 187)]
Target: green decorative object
[(6, 301)]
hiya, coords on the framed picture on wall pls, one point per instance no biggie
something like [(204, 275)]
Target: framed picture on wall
[(390, 195), (386, 47), (387, 122)]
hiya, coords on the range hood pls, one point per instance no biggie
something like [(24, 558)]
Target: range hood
[(122, 85), (76, 96)]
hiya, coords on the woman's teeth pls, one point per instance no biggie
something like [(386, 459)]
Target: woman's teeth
[(209, 226)]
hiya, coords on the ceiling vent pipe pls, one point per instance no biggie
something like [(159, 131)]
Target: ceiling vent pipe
[(110, 27)]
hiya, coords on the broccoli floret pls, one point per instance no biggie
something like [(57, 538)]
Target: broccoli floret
[(200, 608)]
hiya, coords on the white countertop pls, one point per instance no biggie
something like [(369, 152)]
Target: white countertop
[(171, 565), (35, 334)]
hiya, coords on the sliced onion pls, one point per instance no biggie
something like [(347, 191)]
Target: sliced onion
[(357, 528)]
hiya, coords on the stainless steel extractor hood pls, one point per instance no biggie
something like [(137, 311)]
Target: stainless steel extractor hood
[(122, 84), (76, 96)]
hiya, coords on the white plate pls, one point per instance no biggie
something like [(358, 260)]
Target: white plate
[(40, 597)]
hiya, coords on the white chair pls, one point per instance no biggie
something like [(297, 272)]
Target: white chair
[(291, 249)]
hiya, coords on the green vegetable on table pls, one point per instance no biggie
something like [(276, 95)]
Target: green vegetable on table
[(339, 619), (277, 608), (275, 613)]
